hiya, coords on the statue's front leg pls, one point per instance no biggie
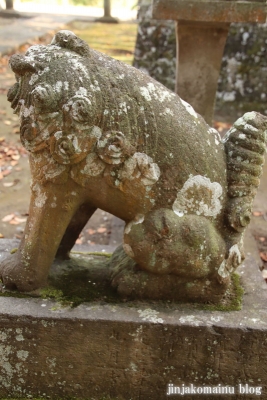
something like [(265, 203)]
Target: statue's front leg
[(51, 210)]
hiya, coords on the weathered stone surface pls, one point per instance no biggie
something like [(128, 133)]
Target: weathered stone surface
[(200, 50), (102, 134), (132, 350), (155, 48), (243, 78)]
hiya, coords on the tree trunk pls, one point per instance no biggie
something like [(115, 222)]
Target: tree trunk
[(9, 4), (107, 8)]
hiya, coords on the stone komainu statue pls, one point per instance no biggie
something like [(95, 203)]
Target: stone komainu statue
[(102, 134)]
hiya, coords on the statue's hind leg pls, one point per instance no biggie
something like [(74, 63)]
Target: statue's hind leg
[(174, 258), (75, 227)]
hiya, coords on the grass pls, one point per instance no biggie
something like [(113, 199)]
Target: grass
[(115, 40)]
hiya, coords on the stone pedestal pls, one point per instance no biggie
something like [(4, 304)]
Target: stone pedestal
[(132, 350), (202, 29)]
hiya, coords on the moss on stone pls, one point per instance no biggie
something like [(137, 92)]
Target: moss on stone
[(232, 300)]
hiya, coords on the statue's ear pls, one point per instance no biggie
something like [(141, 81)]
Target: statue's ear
[(69, 40), (20, 65)]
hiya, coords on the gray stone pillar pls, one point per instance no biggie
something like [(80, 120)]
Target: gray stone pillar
[(201, 35), (199, 53)]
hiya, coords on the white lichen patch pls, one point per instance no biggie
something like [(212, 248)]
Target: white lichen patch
[(121, 76), (138, 219), (58, 86), (22, 355), (228, 134), (40, 198), (168, 111), (150, 315), (199, 196), (231, 263), (244, 122), (81, 92), (145, 93), (76, 64), (24, 111), (189, 109), (140, 166), (156, 92), (216, 135), (94, 165), (123, 108), (190, 319), (35, 77)]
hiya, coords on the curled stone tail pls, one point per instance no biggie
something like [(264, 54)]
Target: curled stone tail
[(245, 145)]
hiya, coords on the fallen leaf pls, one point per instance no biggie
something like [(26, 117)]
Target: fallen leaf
[(1, 236), (13, 163), (18, 169), (14, 222), (8, 217), (79, 241), (2, 138), (8, 184), (257, 213), (6, 172), (20, 220), (15, 157), (7, 122), (264, 274), (221, 126), (101, 230), (263, 256), (91, 231), (262, 239)]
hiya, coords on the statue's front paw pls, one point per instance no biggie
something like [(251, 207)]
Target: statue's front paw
[(14, 276)]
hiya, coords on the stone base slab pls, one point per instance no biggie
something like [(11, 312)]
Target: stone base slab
[(132, 350)]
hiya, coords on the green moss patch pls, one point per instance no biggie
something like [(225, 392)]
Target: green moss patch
[(232, 301)]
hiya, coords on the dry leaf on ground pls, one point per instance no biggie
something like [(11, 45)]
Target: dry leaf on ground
[(8, 217), (257, 213), (263, 256), (101, 230), (90, 231)]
